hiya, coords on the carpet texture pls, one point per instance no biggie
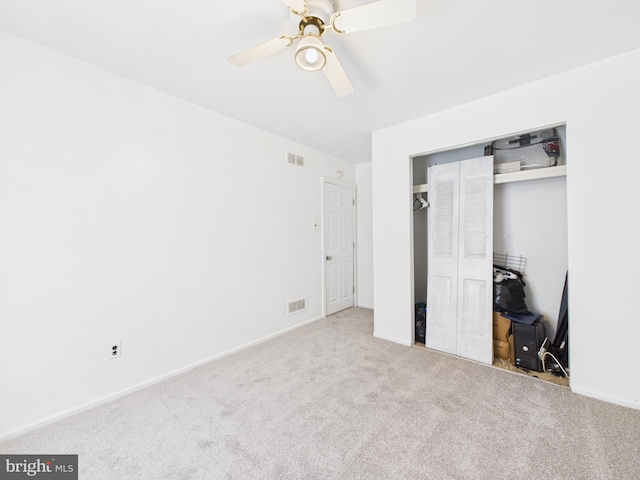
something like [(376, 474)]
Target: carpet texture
[(330, 401)]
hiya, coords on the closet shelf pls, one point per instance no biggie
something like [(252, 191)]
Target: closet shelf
[(535, 174), (522, 175)]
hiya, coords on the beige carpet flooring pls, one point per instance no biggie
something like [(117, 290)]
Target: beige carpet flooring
[(330, 401)]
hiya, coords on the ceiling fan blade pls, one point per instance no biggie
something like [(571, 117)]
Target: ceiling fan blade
[(374, 15), (296, 6), (260, 51), (336, 75)]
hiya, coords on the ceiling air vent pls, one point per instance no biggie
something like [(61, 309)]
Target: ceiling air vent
[(295, 160)]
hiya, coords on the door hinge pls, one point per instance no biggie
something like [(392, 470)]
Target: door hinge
[(354, 201)]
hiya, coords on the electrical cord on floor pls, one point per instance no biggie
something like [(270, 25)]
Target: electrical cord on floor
[(557, 361), (542, 354), (527, 371)]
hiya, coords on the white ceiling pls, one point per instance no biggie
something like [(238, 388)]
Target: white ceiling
[(454, 51)]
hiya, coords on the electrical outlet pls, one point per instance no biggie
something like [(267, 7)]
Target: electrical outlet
[(114, 350)]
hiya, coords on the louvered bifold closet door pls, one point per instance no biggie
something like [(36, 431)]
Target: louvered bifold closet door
[(442, 278), (475, 261), (460, 245)]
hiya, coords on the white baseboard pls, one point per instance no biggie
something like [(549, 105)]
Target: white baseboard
[(606, 397), (126, 391), (392, 339), (361, 305)]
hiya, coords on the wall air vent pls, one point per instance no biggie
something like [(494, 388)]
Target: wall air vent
[(302, 304), (295, 306), (295, 160)]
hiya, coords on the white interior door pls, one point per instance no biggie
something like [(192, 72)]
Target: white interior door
[(460, 246), (339, 246)]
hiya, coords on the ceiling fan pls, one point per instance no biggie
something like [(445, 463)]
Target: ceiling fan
[(313, 18)]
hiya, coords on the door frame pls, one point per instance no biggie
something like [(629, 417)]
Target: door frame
[(323, 183)]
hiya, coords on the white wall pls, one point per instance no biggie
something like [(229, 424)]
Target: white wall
[(364, 215), (600, 104), (129, 215)]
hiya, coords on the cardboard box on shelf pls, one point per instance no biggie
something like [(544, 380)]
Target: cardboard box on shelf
[(501, 327), (501, 349)]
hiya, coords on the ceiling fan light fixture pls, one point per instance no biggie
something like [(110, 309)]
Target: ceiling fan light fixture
[(312, 18), (310, 55)]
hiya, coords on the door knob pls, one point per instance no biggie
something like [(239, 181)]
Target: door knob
[(329, 258)]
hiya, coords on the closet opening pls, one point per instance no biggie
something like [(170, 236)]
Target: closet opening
[(528, 225)]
